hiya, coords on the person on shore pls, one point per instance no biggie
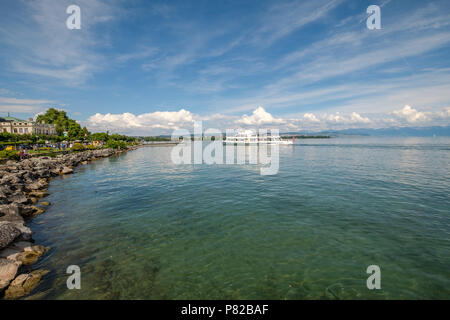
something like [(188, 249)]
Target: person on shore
[(21, 154)]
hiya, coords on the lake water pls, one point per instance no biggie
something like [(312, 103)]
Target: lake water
[(141, 227)]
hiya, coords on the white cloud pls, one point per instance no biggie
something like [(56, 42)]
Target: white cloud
[(259, 117), (353, 118), (310, 117), (164, 122), (144, 123), (356, 118), (410, 114), (444, 114)]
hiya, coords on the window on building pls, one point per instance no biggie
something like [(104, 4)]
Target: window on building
[(20, 130), (15, 130), (26, 130)]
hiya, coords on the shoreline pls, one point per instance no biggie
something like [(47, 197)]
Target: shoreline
[(24, 185)]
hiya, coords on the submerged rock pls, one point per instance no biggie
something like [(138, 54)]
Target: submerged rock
[(23, 252), (31, 211), (27, 211), (38, 194), (24, 283), (30, 254)]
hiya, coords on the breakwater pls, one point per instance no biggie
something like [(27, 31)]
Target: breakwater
[(23, 185)]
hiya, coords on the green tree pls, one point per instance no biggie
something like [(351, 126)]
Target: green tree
[(99, 136), (63, 123)]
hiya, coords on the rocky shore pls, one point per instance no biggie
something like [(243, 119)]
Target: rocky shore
[(23, 184)]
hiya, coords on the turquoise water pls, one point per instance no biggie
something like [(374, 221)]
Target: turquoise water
[(141, 227)]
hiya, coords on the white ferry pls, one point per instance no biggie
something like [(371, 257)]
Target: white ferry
[(250, 137)]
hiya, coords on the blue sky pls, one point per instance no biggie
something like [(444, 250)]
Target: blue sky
[(149, 67)]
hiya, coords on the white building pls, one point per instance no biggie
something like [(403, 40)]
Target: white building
[(18, 126)]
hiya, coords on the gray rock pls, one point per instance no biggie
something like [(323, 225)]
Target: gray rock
[(8, 232), (25, 233), (19, 199), (11, 213)]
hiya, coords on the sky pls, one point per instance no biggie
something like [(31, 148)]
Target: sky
[(150, 67)]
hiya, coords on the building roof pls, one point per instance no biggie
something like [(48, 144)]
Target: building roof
[(8, 118)]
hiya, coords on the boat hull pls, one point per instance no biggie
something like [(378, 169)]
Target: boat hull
[(282, 143)]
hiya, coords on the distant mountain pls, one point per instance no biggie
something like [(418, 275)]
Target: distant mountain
[(395, 131)]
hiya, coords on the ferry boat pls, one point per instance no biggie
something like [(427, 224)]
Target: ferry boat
[(250, 137)]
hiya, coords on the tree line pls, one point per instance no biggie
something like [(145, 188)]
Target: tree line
[(68, 129)]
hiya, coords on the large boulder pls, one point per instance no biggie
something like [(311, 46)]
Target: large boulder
[(38, 185), (11, 179), (8, 232), (67, 170), (8, 271), (5, 191), (19, 198), (11, 213), (24, 283), (23, 252), (27, 211), (12, 216), (25, 233)]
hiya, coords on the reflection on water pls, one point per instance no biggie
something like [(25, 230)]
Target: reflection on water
[(141, 227)]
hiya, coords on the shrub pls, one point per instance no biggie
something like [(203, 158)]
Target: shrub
[(9, 154), (78, 147)]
